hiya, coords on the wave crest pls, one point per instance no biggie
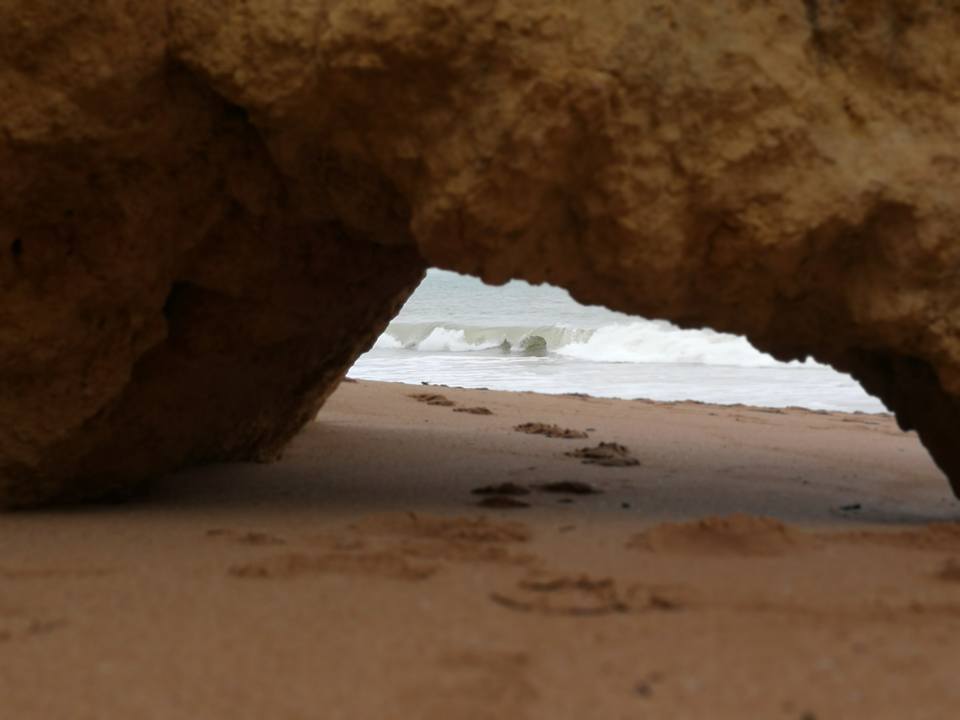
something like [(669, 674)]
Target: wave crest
[(640, 341)]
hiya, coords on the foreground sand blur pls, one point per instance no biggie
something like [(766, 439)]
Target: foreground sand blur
[(754, 563)]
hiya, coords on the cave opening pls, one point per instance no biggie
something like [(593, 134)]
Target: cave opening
[(455, 330)]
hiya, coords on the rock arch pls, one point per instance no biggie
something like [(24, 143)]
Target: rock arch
[(210, 209)]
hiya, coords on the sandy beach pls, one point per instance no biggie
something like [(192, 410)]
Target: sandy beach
[(410, 559)]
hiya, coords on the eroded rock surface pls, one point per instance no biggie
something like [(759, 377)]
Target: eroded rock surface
[(209, 209)]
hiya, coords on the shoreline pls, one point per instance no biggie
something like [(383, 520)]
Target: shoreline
[(775, 409), (749, 564), (776, 387)]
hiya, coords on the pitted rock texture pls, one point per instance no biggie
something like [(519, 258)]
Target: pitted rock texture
[(209, 209)]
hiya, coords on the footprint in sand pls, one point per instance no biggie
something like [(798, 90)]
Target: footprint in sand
[(504, 488), (22, 628), (41, 573), (748, 535), (433, 399), (738, 534), (605, 454), (551, 431), (430, 527), (458, 540), (474, 410), (748, 419), (390, 565), (399, 546), (944, 537), (584, 596), (564, 595), (950, 571), (246, 537)]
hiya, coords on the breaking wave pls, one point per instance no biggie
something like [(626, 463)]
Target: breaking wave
[(640, 341)]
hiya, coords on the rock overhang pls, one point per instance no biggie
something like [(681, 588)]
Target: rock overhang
[(211, 209)]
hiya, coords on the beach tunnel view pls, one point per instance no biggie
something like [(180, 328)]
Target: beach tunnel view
[(456, 331), (496, 359)]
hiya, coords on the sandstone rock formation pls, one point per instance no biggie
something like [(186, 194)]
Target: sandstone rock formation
[(209, 209)]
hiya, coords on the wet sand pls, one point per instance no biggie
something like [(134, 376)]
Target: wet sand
[(681, 561)]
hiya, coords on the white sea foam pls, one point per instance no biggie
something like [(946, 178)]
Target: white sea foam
[(640, 341), (661, 342), (451, 337), (387, 342), (443, 339)]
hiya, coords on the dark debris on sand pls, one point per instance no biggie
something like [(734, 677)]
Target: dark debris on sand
[(606, 454), (505, 488), (569, 487), (433, 399), (551, 431), (474, 410)]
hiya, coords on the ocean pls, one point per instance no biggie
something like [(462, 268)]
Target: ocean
[(454, 330)]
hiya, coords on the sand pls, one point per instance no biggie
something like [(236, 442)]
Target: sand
[(784, 564)]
